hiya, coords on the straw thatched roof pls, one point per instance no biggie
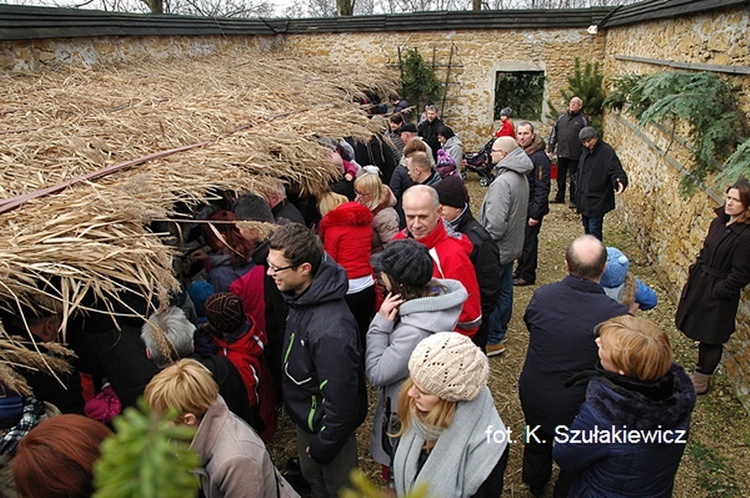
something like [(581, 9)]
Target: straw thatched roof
[(168, 132)]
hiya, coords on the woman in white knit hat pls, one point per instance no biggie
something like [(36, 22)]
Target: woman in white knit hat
[(452, 440)]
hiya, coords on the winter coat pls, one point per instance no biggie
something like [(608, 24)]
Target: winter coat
[(560, 319), (384, 222), (616, 404), (503, 210), (596, 180), (323, 383), (428, 131), (222, 273), (246, 354), (453, 147), (390, 344), (709, 300), (450, 252), (234, 459), (565, 135), (347, 237), (506, 130), (485, 258), (249, 288), (377, 152), (538, 179), (632, 290)]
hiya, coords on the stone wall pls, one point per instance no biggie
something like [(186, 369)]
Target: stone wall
[(669, 228)]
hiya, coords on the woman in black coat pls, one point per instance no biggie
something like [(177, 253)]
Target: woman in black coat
[(709, 300)]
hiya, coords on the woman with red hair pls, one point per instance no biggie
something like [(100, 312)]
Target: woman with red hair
[(56, 458)]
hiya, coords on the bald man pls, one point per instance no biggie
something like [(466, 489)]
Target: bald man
[(561, 318)]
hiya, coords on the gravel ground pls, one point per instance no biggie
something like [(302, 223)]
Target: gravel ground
[(716, 460)]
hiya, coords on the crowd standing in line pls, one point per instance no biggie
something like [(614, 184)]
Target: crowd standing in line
[(280, 312)]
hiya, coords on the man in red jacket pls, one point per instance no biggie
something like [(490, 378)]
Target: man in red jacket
[(449, 250)]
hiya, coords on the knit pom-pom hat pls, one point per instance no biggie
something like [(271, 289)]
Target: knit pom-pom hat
[(450, 366), (616, 269)]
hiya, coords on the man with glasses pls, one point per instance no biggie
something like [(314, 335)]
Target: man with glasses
[(323, 383), (503, 215), (600, 176)]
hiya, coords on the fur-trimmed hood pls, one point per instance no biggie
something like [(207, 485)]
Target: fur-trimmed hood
[(351, 214), (535, 145), (643, 405)]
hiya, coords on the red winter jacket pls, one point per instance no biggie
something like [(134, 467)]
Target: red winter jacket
[(451, 256), (246, 354), (249, 287), (347, 238)]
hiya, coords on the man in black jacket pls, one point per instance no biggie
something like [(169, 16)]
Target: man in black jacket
[(600, 176), (533, 146), (428, 129), (564, 138), (323, 383), (561, 318), (485, 256)]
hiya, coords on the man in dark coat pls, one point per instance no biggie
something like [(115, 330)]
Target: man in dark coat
[(600, 176), (429, 127), (485, 256), (561, 318), (565, 139), (323, 383), (533, 146)]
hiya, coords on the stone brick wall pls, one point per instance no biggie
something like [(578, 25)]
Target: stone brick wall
[(669, 228)]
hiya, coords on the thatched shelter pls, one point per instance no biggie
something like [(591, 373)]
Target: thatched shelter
[(90, 157)]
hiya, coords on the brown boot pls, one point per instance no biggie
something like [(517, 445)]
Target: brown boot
[(701, 382)]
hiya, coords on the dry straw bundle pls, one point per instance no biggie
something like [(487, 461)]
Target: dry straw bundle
[(168, 132)]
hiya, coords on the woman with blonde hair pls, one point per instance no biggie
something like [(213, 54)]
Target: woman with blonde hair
[(630, 433), (379, 199), (235, 460), (452, 438)]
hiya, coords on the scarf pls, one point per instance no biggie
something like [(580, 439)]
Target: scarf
[(33, 409), (462, 458)]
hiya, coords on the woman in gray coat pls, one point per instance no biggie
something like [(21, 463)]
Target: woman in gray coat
[(415, 307)]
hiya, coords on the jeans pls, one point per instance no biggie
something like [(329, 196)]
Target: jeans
[(593, 226), (501, 315)]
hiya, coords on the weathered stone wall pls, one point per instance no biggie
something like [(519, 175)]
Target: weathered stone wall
[(669, 228), (478, 55)]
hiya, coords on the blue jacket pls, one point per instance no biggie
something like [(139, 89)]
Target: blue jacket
[(323, 383), (631, 468)]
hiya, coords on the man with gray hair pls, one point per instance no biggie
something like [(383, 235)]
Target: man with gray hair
[(168, 336), (503, 215), (600, 176), (564, 139)]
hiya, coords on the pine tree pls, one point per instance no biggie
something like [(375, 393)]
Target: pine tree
[(419, 85)]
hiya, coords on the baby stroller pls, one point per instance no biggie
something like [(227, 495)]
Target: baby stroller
[(480, 163)]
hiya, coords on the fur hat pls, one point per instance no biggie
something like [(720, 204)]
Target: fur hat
[(451, 191), (406, 261), (506, 111), (616, 269), (407, 127), (224, 312), (449, 366)]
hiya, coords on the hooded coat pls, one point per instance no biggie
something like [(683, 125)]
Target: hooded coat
[(504, 208), (608, 468), (390, 344), (450, 253), (323, 383), (538, 179), (709, 300), (347, 237)]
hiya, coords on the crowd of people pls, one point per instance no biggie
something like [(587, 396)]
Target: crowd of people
[(389, 280)]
